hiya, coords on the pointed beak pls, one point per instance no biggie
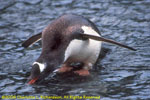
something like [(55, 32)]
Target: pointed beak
[(32, 81)]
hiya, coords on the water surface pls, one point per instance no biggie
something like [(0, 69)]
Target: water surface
[(121, 75)]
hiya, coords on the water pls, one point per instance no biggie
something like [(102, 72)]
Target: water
[(121, 75)]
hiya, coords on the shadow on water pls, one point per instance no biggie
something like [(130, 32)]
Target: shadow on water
[(120, 75)]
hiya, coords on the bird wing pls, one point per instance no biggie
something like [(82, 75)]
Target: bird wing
[(32, 40), (97, 38)]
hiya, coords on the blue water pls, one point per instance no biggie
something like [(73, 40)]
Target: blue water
[(121, 75)]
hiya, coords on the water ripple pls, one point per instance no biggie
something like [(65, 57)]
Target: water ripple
[(124, 74)]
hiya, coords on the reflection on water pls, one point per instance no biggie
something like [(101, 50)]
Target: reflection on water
[(123, 74)]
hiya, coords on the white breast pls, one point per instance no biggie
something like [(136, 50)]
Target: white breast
[(84, 51)]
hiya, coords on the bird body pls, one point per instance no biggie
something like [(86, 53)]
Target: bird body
[(68, 39)]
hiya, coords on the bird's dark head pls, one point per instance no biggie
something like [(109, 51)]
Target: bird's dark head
[(39, 71)]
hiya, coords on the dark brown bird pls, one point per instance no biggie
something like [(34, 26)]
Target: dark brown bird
[(68, 39)]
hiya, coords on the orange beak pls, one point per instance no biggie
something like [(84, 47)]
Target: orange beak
[(32, 81)]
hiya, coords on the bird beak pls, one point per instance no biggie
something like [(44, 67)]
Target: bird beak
[(32, 81)]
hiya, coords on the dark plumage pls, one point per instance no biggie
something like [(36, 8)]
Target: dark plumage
[(68, 39)]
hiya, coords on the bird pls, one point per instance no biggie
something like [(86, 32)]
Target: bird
[(69, 39)]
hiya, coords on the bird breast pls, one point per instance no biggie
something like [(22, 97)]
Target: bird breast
[(84, 50)]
